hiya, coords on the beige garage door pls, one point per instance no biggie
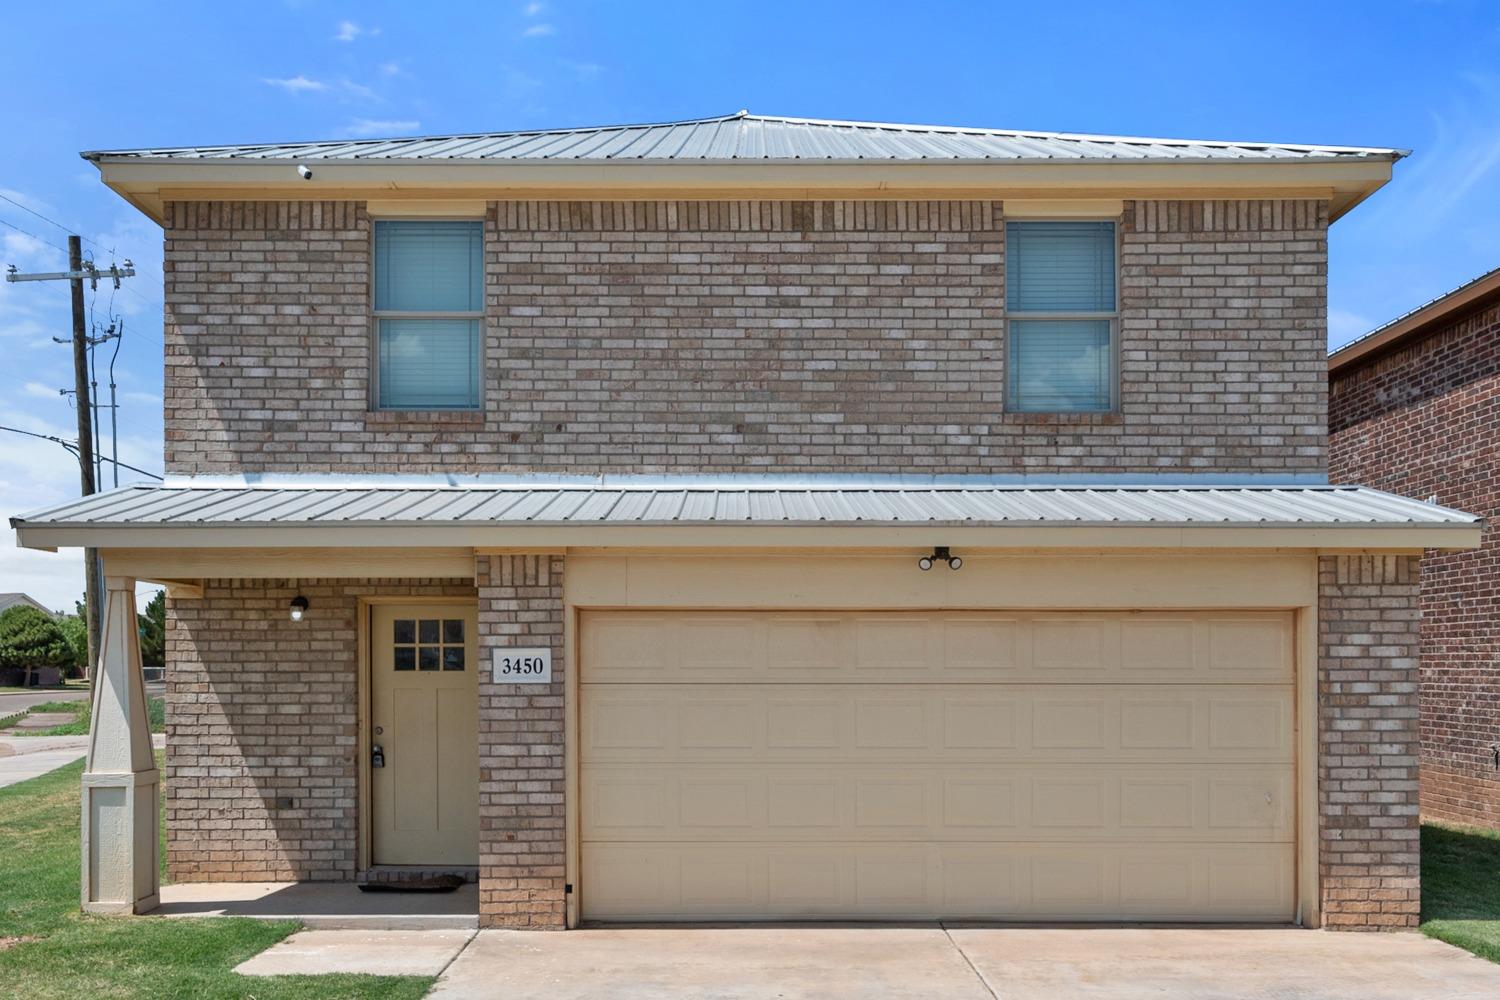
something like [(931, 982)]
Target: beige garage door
[(779, 765)]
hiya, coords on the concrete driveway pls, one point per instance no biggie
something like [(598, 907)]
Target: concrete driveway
[(895, 963)]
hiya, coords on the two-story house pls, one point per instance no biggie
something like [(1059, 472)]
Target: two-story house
[(762, 518)]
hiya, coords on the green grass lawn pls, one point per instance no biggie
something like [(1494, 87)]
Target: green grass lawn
[(156, 718), (48, 949), (1461, 887)]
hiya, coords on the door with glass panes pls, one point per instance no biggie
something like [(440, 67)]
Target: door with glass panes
[(424, 752)]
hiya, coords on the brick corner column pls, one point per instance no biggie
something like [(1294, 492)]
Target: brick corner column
[(522, 827), (1369, 742)]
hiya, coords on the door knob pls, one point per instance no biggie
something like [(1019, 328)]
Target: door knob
[(377, 756)]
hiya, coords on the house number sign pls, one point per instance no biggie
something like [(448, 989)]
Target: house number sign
[(523, 665)]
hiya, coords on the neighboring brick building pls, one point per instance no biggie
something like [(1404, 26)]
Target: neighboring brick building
[(1414, 408), (579, 512)]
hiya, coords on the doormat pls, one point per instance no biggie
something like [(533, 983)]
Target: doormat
[(425, 883)]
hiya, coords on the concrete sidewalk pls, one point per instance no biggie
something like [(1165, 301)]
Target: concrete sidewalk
[(1014, 963), (23, 757)]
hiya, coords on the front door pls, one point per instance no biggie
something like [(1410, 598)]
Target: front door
[(424, 718)]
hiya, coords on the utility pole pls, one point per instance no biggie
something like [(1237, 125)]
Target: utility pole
[(77, 273)]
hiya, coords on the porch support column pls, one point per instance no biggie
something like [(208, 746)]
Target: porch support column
[(120, 818)]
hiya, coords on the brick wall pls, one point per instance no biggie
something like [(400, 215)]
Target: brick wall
[(1425, 421), (522, 834), (260, 709), (1369, 847), (736, 336)]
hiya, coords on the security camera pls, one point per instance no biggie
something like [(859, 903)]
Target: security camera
[(304, 171)]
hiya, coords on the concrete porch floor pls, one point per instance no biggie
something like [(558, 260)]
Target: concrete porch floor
[(324, 905)]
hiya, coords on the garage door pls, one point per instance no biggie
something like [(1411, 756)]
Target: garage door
[(775, 765)]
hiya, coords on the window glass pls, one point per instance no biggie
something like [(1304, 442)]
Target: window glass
[(1060, 297), (1059, 366), (429, 307)]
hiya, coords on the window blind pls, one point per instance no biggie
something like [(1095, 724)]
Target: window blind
[(429, 363), (1060, 267), (429, 301), (1059, 365), (429, 266), (1059, 361)]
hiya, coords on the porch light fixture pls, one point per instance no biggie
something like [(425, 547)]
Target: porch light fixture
[(940, 554), (299, 607)]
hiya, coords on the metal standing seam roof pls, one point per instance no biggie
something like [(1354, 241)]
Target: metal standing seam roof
[(747, 137), (327, 507)]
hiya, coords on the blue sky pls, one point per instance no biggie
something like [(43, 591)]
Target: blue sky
[(1417, 75)]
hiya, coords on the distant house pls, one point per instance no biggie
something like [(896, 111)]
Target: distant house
[(1413, 408), (11, 600)]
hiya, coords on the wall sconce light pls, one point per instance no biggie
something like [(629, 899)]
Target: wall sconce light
[(299, 607), (940, 554)]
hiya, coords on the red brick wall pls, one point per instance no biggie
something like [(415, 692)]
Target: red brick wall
[(522, 832), (1425, 421), (261, 709), (1369, 847)]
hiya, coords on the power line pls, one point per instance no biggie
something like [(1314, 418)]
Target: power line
[(70, 230), (72, 448), (25, 232)]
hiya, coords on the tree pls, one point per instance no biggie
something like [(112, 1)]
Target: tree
[(31, 639), (75, 629), (153, 626)]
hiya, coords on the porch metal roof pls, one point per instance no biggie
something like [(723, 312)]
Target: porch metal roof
[(328, 508)]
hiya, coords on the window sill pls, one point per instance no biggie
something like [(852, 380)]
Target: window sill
[(1066, 419), (424, 418)]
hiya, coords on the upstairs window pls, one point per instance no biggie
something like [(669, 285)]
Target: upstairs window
[(1061, 311), (429, 314)]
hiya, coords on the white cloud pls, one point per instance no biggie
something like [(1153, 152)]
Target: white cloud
[(533, 9), (40, 391), (350, 31), (584, 70), (364, 127), (358, 91), (296, 84), (538, 31), (392, 68), (343, 87)]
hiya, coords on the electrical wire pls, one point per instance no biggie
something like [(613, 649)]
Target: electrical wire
[(26, 232), (72, 448)]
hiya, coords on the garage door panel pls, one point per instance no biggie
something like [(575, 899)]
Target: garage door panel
[(989, 765), (901, 723), (926, 881), (921, 648), (780, 803)]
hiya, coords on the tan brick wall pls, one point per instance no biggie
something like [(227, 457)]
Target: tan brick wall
[(522, 834), (261, 709), (1369, 741), (855, 337)]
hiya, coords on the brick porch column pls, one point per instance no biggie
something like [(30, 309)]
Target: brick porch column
[(522, 833), (120, 819), (1369, 742)]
